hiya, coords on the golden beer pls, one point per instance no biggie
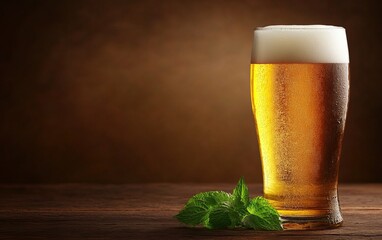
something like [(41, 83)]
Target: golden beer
[(300, 111)]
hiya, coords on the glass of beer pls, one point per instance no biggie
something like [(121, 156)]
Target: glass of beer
[(299, 92)]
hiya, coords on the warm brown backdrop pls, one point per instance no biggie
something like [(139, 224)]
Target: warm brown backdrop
[(154, 91)]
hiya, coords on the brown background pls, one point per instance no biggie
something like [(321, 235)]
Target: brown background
[(158, 91)]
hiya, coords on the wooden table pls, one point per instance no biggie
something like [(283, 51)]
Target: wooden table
[(145, 211)]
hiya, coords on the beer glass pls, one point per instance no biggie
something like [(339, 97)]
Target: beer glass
[(299, 92)]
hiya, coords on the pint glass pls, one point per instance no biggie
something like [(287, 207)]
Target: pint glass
[(299, 92)]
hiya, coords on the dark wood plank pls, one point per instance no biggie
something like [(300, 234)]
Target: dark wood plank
[(145, 211)]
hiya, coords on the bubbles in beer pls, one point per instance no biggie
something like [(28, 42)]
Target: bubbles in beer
[(300, 110)]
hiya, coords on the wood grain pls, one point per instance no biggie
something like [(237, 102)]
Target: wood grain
[(145, 211)]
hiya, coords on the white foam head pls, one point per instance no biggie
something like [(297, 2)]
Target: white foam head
[(300, 44)]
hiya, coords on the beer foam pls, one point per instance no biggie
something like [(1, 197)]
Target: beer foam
[(300, 44)]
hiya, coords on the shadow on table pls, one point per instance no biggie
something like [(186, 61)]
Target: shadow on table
[(202, 233)]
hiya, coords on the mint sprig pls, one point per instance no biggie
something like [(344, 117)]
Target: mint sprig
[(218, 209)]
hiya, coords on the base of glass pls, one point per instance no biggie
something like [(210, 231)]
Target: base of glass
[(309, 223)]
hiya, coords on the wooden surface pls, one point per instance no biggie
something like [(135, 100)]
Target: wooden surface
[(146, 211)]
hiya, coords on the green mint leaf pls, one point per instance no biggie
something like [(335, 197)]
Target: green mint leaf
[(260, 223), (193, 214), (241, 198), (218, 209), (240, 192), (249, 221), (223, 216), (260, 205), (197, 209), (240, 209), (262, 215), (210, 199)]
